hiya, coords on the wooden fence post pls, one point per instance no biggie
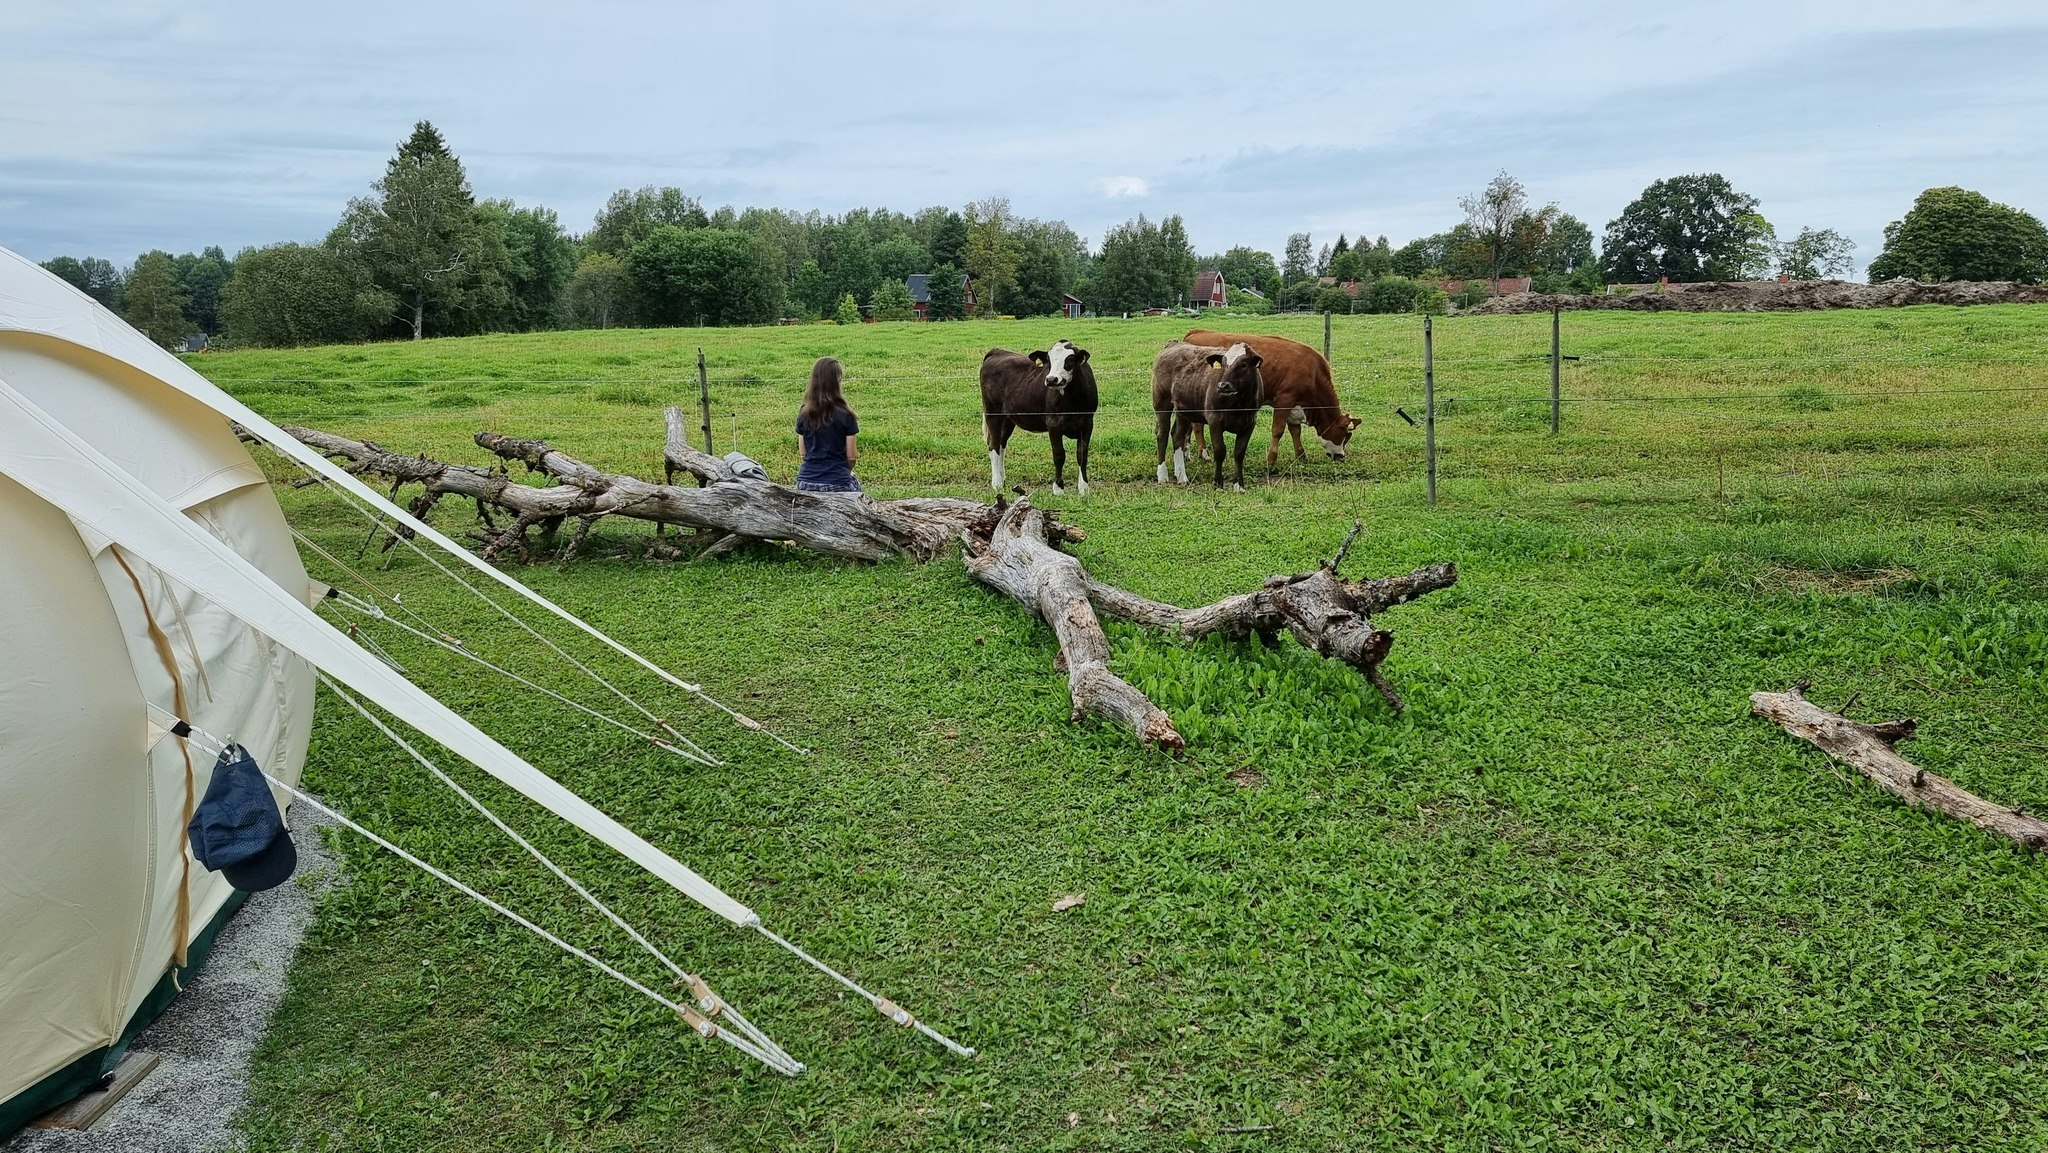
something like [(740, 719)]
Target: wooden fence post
[(1429, 402), (1553, 369), (704, 400), (1326, 336)]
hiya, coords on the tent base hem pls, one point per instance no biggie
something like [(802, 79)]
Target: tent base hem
[(81, 1075)]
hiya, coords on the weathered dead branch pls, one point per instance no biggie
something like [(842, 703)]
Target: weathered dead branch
[(1869, 749), (1016, 552), (1329, 615)]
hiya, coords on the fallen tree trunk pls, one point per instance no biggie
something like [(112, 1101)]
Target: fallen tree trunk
[(835, 524), (1017, 553), (1869, 749)]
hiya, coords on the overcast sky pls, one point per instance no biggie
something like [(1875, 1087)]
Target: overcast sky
[(126, 126)]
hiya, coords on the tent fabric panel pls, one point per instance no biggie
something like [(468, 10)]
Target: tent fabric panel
[(183, 450), (47, 458), (237, 683), (70, 1080), (250, 521), (36, 303), (74, 804)]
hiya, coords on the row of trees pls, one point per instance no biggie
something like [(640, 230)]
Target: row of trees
[(1686, 229), (166, 296), (421, 255), (1502, 235), (1955, 234), (809, 263), (1700, 228)]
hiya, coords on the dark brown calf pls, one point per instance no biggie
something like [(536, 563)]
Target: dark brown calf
[(1193, 388), (1050, 391)]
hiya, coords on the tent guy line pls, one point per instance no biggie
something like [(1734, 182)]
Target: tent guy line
[(356, 604), (48, 459), (709, 1003), (700, 1023), (377, 523), (442, 638)]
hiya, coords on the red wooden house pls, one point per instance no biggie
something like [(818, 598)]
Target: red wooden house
[(1208, 291), (919, 284)]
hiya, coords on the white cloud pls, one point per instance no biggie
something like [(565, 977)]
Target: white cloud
[(1122, 187)]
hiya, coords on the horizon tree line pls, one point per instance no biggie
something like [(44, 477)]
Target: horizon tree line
[(421, 255)]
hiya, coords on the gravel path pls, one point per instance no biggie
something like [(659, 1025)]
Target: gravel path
[(205, 1039)]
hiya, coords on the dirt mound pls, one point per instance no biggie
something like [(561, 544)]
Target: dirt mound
[(1774, 296)]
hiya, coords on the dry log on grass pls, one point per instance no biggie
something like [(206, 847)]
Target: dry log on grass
[(1017, 553), (1869, 749), (836, 524)]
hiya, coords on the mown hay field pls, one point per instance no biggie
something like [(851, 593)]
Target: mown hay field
[(1573, 897)]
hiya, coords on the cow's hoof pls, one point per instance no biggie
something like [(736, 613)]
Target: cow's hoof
[(1058, 491), (1081, 487), (1206, 456), (1237, 488), (1162, 474)]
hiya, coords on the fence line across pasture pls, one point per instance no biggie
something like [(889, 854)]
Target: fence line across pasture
[(1582, 360), (1563, 383), (1716, 398), (1448, 407), (1463, 401)]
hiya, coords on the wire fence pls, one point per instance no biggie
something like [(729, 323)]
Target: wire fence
[(1493, 409)]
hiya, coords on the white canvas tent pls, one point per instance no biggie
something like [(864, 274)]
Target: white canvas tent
[(148, 575), (98, 899)]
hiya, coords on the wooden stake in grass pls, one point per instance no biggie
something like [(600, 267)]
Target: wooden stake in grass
[(1869, 749)]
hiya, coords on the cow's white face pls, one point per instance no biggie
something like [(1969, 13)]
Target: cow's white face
[(1335, 448), (1240, 372), (1060, 361)]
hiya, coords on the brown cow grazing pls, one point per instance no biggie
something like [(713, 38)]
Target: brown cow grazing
[(1298, 386), (1050, 391), (1194, 387)]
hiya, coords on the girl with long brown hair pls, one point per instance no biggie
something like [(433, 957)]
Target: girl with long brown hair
[(825, 431)]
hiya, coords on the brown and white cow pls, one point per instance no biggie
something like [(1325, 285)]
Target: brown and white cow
[(1298, 386), (1050, 391), (1195, 387)]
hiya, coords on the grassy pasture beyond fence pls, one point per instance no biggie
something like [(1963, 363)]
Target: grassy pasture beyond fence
[(1573, 897)]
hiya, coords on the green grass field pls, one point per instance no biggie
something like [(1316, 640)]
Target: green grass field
[(1575, 897)]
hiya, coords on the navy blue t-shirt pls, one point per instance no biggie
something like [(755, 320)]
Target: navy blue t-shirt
[(825, 463)]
